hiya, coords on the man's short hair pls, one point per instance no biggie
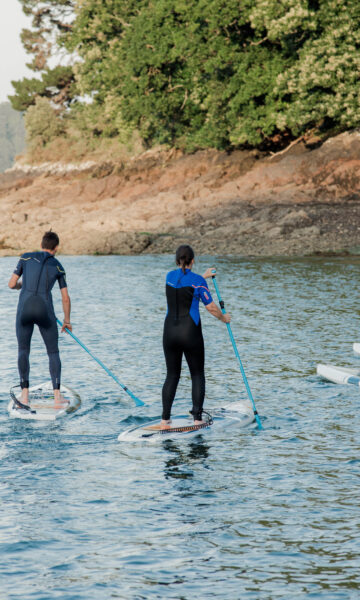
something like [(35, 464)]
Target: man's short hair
[(50, 240)]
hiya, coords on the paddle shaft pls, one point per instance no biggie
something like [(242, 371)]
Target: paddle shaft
[(137, 401), (222, 306)]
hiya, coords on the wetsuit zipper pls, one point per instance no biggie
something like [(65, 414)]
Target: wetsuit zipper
[(177, 299)]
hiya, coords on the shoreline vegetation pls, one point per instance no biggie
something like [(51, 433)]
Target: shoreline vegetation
[(225, 75), (230, 125)]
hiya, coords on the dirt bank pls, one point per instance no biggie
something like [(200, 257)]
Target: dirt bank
[(303, 201)]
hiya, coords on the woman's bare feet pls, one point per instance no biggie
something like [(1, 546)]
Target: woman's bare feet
[(199, 422), (165, 423)]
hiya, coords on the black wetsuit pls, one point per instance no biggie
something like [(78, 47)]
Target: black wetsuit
[(40, 271), (183, 335)]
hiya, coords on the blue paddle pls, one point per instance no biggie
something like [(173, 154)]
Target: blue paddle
[(222, 306), (137, 401)]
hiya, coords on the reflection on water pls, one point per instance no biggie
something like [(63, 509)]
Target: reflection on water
[(231, 513), (179, 466)]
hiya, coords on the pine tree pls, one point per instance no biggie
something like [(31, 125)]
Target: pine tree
[(51, 24)]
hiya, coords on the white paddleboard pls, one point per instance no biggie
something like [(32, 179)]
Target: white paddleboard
[(356, 348), (239, 413), (42, 405), (340, 375)]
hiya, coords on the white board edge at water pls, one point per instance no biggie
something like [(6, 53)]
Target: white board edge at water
[(46, 412), (239, 413), (341, 375), (356, 348)]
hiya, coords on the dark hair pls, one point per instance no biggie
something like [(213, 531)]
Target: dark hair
[(184, 255), (50, 240)]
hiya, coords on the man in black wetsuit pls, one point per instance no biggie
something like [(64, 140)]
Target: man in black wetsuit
[(40, 271)]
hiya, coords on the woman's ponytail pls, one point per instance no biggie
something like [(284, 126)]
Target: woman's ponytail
[(184, 255)]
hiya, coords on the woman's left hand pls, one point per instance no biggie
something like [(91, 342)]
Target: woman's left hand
[(210, 272)]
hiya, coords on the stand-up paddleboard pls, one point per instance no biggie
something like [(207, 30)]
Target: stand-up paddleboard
[(41, 403), (239, 413), (340, 375), (356, 348)]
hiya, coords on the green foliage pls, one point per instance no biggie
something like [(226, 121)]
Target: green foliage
[(57, 84), (12, 135), (201, 73), (51, 24), (322, 87), (42, 123)]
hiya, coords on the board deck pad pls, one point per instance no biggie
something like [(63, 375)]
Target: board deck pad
[(42, 403), (240, 413)]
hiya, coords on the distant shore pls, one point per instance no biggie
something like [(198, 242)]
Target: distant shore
[(300, 202)]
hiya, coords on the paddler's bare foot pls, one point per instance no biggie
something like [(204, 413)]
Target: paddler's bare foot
[(199, 422), (165, 424), (59, 400), (25, 396)]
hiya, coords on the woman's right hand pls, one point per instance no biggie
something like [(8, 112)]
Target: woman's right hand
[(226, 318), (210, 272)]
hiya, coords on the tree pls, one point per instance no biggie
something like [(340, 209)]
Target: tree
[(51, 24), (321, 89), (198, 73), (56, 84)]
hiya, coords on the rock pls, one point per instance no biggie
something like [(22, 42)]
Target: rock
[(241, 202), (294, 219), (274, 232)]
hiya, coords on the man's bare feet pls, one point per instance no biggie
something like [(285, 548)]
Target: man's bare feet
[(25, 396), (199, 422), (59, 400), (165, 423)]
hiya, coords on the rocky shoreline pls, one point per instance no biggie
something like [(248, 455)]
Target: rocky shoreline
[(304, 201)]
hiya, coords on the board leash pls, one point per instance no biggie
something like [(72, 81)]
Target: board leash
[(19, 404), (137, 400), (222, 306), (188, 428), (184, 428)]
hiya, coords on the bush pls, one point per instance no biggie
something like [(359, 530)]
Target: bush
[(43, 123)]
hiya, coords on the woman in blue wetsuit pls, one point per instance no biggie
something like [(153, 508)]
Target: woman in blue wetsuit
[(182, 331)]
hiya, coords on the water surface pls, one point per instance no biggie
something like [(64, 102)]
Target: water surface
[(237, 514)]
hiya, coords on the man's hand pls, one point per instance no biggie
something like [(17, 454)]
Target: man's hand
[(14, 284), (65, 326)]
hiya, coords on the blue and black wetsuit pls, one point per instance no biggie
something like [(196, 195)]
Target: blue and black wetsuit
[(183, 335), (40, 271)]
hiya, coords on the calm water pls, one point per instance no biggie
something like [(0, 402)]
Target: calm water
[(238, 515)]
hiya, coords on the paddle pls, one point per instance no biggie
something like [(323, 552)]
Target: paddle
[(137, 401), (222, 306)]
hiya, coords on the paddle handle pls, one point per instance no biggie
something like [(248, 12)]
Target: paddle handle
[(137, 401), (222, 307)]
